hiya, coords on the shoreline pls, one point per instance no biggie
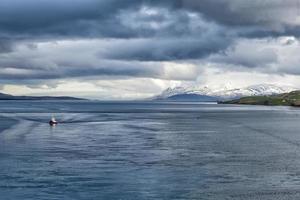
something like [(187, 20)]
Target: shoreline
[(291, 99)]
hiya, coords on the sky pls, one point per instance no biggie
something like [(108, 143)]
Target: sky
[(134, 49)]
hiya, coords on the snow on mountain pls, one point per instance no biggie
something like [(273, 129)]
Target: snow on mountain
[(185, 90), (254, 90), (224, 93)]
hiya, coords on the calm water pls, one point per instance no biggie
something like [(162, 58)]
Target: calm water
[(144, 150)]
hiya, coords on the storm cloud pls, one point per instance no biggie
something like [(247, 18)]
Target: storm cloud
[(45, 41)]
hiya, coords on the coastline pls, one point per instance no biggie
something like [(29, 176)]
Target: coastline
[(286, 99)]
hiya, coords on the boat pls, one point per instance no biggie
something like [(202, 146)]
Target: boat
[(53, 122)]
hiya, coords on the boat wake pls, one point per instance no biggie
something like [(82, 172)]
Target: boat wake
[(67, 118)]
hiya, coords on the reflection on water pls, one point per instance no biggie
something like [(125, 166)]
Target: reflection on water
[(146, 150)]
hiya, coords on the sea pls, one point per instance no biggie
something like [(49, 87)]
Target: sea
[(136, 150)]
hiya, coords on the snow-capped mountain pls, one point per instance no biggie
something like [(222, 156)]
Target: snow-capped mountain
[(185, 90), (224, 93), (254, 90)]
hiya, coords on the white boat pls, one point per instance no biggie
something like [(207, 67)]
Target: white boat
[(53, 122)]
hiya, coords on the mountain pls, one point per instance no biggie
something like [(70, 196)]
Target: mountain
[(192, 97), (11, 97), (254, 90), (5, 96), (207, 94), (285, 99)]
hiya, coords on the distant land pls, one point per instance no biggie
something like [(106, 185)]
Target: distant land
[(11, 97), (285, 99), (192, 97), (206, 94)]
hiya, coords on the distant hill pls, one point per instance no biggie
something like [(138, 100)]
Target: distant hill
[(285, 99), (5, 96), (192, 97), (11, 97)]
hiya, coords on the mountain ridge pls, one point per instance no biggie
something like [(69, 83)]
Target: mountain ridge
[(223, 93), (4, 96)]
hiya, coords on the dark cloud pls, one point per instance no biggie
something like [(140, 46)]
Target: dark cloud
[(172, 34), (245, 13), (138, 34), (166, 49), (80, 18), (121, 19), (59, 18)]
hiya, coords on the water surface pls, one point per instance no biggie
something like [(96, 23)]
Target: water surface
[(148, 150)]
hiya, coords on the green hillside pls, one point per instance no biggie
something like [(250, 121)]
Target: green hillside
[(286, 99)]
